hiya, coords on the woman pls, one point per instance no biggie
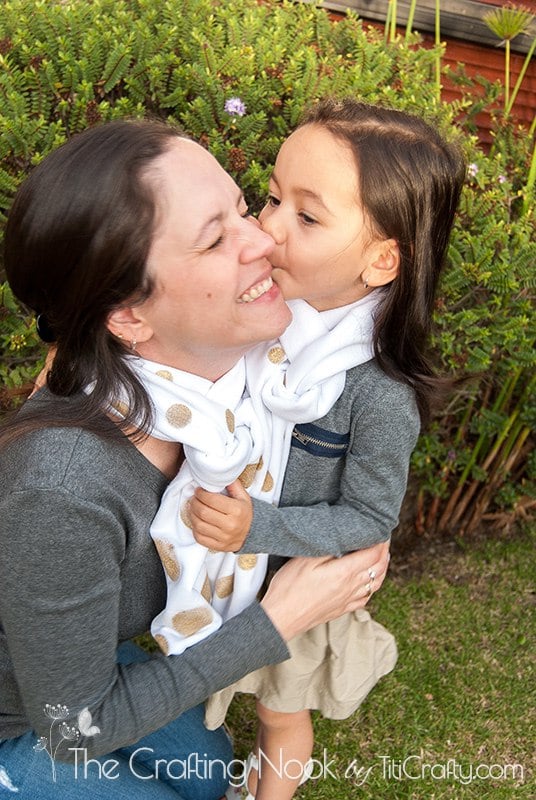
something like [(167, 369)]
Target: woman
[(129, 238)]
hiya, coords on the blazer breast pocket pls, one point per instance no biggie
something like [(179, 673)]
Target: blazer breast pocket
[(320, 442)]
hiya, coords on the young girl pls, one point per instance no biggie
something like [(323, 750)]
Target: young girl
[(362, 201)]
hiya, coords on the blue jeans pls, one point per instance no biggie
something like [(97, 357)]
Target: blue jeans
[(182, 761)]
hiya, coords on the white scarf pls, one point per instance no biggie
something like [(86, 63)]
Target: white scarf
[(239, 426)]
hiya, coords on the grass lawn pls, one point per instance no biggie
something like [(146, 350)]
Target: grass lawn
[(456, 718)]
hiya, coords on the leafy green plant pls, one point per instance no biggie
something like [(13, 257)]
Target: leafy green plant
[(508, 22), (390, 35), (23, 355), (390, 21), (485, 327), (236, 77), (411, 15)]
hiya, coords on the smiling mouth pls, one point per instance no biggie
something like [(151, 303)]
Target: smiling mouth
[(254, 292)]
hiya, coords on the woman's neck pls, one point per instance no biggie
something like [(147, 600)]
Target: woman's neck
[(165, 456), (210, 365)]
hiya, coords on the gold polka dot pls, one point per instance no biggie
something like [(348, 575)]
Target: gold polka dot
[(247, 476), (166, 551), (268, 483), (185, 514), (189, 622), (276, 354), (206, 592), (165, 373), (247, 561), (162, 643), (229, 418), (224, 586), (178, 415), (120, 407)]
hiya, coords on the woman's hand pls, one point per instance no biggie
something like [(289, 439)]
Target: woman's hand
[(309, 591), (221, 522)]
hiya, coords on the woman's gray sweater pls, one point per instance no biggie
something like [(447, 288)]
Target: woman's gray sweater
[(79, 574)]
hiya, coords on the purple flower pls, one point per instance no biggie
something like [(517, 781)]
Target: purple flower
[(472, 170), (502, 179), (235, 107)]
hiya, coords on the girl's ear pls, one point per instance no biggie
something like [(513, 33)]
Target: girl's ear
[(385, 264), (127, 323)]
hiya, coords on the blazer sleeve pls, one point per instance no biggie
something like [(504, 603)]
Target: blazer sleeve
[(373, 482)]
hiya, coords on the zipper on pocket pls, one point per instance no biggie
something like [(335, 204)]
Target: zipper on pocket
[(320, 442)]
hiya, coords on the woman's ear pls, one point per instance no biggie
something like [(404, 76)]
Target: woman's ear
[(385, 263), (128, 324)]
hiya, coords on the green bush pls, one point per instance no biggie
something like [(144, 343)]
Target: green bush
[(68, 65)]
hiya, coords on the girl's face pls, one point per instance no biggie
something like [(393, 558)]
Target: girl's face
[(323, 244), (213, 296)]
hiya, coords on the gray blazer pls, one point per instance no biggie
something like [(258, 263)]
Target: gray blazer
[(347, 473)]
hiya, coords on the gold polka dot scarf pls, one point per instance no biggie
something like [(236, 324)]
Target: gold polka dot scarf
[(240, 426), (308, 368), (223, 439)]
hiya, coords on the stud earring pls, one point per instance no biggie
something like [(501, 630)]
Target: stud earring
[(133, 344), (365, 283)]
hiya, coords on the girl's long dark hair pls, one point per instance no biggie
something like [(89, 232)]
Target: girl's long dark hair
[(76, 246), (410, 181)]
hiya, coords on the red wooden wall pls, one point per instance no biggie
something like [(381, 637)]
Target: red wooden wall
[(487, 62)]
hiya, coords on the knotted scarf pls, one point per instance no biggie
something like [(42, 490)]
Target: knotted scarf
[(239, 426)]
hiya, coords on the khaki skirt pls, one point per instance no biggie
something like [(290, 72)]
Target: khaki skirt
[(332, 669)]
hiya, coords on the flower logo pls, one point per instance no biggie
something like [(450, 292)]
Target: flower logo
[(63, 731), (56, 712)]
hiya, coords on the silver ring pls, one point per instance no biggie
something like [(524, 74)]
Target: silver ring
[(372, 574), (368, 587)]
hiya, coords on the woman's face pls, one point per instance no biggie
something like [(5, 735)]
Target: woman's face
[(213, 297)]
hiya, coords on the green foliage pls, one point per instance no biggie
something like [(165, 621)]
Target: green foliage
[(477, 454), (66, 65), (23, 356), (507, 23)]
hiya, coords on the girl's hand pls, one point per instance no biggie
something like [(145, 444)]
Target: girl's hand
[(221, 522)]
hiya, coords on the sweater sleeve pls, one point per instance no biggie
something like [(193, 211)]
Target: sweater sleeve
[(373, 482), (59, 607)]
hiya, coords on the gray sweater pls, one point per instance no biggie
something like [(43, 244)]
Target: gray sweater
[(347, 474), (79, 574)]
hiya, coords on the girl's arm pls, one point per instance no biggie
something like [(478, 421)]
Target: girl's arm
[(333, 506)]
